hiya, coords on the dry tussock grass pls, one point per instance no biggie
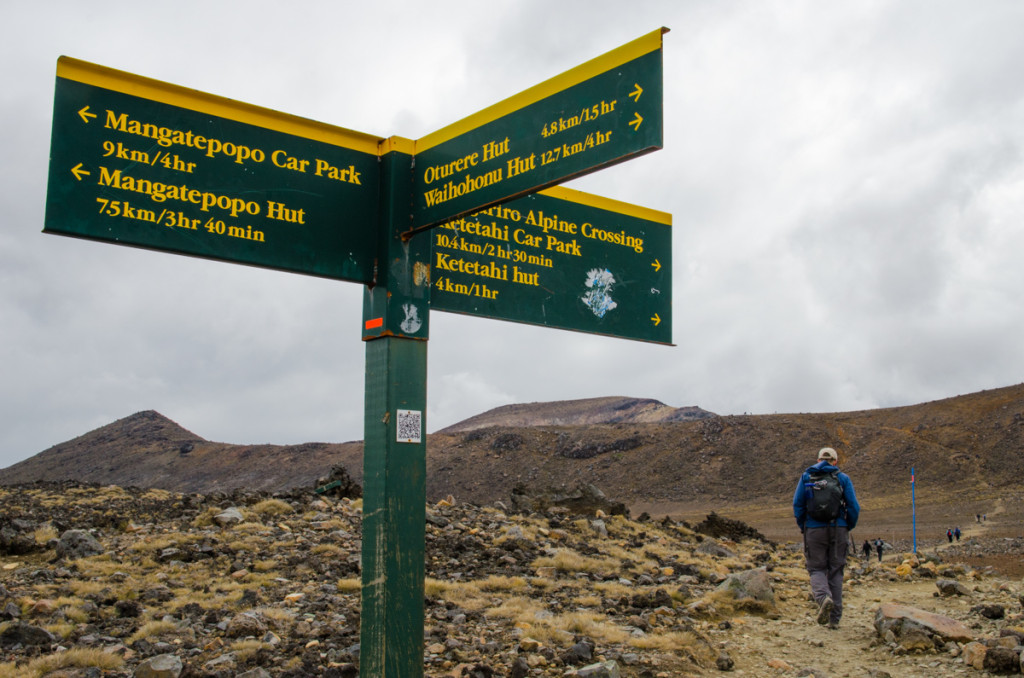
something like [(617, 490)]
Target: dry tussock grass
[(269, 508), (588, 600), (518, 609), (334, 524), (568, 561), (62, 630), (89, 496), (349, 585), (329, 550), (466, 595), (726, 604), (153, 629), (157, 543), (614, 589), (498, 582), (80, 658), (246, 650), (82, 587), (45, 533), (252, 527), (561, 629)]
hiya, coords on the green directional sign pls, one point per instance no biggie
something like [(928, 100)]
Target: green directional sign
[(560, 258), (602, 112), (139, 162)]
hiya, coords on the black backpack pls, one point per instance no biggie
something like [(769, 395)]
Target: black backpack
[(825, 501)]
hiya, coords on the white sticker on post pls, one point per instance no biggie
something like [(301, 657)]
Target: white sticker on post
[(410, 426)]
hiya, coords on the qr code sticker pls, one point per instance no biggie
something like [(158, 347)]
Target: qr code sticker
[(410, 425)]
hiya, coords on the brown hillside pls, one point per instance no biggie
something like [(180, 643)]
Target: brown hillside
[(606, 410), (966, 452), (149, 450)]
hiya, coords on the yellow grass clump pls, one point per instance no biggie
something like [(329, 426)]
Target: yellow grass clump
[(153, 629), (80, 658), (349, 585), (246, 650), (568, 561), (497, 582), (272, 507), (329, 550), (466, 595)]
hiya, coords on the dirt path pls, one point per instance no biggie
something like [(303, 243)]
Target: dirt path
[(760, 645), (794, 642)]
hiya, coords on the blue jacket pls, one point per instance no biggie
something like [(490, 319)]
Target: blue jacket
[(847, 519)]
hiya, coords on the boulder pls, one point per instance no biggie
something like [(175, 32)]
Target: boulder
[(160, 666), (228, 517), (716, 526), (607, 669), (78, 544), (1001, 660), (951, 587), (17, 538), (245, 624), (903, 620), (750, 584), (584, 499), (25, 635)]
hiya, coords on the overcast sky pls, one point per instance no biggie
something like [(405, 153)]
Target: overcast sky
[(846, 182)]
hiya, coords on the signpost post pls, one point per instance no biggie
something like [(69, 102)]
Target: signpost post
[(138, 162)]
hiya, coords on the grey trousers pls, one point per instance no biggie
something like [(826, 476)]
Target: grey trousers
[(825, 550)]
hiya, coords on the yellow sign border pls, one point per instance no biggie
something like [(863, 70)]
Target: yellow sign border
[(608, 204), (211, 104), (631, 50)]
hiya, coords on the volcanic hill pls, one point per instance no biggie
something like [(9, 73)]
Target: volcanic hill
[(652, 457)]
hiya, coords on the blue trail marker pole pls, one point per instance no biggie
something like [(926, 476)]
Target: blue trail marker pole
[(913, 507)]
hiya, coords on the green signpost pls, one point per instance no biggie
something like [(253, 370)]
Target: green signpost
[(143, 163)]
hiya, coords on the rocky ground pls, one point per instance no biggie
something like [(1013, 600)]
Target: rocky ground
[(105, 581)]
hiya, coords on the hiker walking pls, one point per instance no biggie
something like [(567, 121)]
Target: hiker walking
[(949, 535), (879, 545), (826, 510), (956, 533), (867, 550)]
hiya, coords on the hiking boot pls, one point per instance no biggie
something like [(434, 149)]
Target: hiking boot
[(825, 611), (833, 625)]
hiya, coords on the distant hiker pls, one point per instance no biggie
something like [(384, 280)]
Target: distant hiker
[(867, 550), (879, 545), (826, 510), (956, 533), (949, 535), (977, 517)]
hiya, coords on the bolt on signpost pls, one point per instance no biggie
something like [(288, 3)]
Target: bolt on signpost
[(138, 162)]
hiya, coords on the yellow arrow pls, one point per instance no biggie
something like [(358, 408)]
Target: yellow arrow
[(635, 94), (656, 265), (85, 115), (636, 122), (656, 319), (79, 172)]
